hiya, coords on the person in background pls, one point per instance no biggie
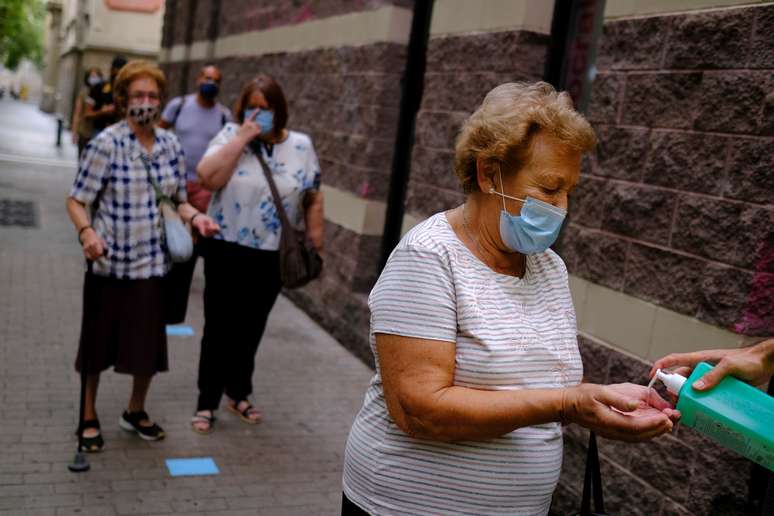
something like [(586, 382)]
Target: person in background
[(753, 364), (241, 264), (196, 119), (114, 207), (102, 108), (82, 127)]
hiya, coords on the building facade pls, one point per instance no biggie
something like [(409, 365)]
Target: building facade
[(670, 239), (88, 33)]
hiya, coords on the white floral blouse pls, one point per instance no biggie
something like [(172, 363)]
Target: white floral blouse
[(244, 207)]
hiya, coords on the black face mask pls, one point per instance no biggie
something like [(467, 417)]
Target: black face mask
[(208, 90)]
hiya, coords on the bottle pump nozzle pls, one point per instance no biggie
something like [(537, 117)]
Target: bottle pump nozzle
[(673, 381)]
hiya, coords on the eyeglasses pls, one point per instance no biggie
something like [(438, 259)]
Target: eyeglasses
[(142, 95)]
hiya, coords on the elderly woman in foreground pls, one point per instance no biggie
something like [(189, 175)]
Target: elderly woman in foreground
[(473, 331)]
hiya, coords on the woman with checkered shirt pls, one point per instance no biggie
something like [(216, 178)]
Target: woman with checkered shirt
[(114, 208)]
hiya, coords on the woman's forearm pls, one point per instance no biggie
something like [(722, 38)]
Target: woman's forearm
[(314, 219), (77, 212), (215, 170), (186, 211), (461, 413), (76, 115)]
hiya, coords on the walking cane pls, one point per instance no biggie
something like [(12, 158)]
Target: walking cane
[(80, 463)]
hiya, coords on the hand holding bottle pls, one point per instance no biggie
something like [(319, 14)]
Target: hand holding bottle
[(754, 364)]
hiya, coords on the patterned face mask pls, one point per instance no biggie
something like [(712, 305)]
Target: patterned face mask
[(144, 114)]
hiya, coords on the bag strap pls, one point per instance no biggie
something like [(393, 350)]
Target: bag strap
[(160, 195), (256, 147), (592, 480)]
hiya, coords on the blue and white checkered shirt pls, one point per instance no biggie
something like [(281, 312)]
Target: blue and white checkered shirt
[(114, 182)]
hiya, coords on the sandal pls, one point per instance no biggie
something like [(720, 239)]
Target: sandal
[(130, 422), (206, 420), (245, 414), (92, 444)]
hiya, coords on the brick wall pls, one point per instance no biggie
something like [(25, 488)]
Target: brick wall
[(675, 206)]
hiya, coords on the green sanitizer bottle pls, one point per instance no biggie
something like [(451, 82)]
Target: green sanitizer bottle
[(733, 413)]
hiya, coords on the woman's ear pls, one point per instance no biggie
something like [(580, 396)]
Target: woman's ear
[(485, 173)]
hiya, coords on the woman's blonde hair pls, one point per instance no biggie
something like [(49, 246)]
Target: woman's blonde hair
[(132, 71), (502, 128)]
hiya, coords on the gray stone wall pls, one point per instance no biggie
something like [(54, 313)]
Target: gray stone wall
[(460, 71), (248, 15), (347, 100), (675, 207), (676, 204)]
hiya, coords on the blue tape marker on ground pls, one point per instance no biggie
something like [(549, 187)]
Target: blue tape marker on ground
[(180, 331), (192, 467)]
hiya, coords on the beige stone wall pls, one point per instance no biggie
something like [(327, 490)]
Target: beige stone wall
[(629, 8), (131, 32)]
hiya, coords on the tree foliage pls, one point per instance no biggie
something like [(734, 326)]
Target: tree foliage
[(21, 31)]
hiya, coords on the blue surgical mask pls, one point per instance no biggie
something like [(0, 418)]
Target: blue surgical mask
[(535, 229), (265, 119)]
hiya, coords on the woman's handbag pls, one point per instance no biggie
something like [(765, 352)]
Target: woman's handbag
[(178, 238), (299, 261), (592, 482)]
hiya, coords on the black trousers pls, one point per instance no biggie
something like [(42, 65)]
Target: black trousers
[(241, 285), (348, 507)]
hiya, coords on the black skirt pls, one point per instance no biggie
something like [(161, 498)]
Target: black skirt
[(123, 326)]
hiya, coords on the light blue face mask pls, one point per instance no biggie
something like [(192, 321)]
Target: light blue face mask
[(265, 118), (535, 229)]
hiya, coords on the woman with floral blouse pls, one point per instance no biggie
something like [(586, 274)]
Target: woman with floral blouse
[(241, 263)]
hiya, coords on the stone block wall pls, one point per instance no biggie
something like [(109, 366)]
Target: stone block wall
[(676, 206), (347, 99), (461, 69)]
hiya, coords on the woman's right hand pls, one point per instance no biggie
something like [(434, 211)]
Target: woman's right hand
[(625, 412), (249, 129), (93, 246)]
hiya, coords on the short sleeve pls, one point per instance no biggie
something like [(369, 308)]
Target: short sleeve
[(93, 169), (224, 136), (168, 115), (415, 296), (312, 167)]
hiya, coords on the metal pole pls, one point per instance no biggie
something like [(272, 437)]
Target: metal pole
[(59, 124), (411, 97)]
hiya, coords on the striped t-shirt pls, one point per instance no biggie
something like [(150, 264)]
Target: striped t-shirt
[(510, 333)]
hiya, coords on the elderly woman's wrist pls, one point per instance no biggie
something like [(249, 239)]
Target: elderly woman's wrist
[(565, 405)]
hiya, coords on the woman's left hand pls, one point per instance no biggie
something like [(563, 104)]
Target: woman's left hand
[(205, 225), (651, 402)]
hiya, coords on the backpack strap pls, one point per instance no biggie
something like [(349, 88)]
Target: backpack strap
[(178, 110)]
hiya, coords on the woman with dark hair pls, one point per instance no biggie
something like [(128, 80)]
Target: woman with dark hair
[(82, 126), (241, 263)]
